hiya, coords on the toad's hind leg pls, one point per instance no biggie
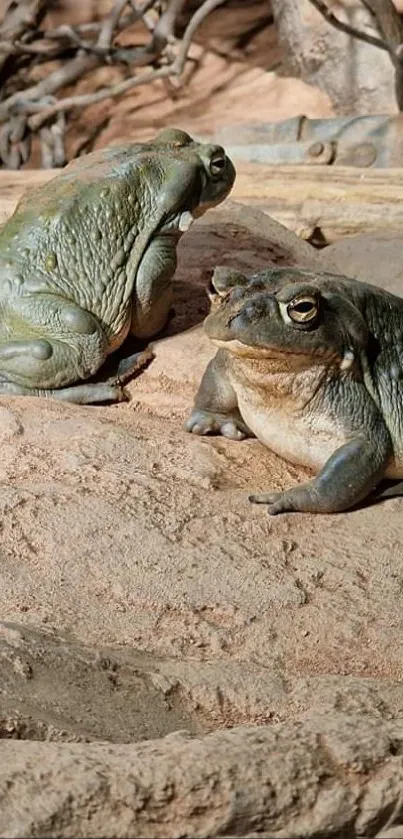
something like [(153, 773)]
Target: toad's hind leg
[(60, 346), (85, 394)]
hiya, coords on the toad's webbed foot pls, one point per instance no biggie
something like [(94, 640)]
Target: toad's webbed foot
[(216, 409), (207, 422), (350, 474), (298, 499)]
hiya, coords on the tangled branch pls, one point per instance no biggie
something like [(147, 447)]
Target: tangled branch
[(327, 13), (28, 110), (390, 27)]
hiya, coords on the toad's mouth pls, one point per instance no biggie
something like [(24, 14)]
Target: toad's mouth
[(260, 351), (237, 347)]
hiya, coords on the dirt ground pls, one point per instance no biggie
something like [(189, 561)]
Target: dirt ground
[(142, 594), (119, 528)]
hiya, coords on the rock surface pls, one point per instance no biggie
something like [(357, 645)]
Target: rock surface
[(332, 777), (141, 595), (375, 258)]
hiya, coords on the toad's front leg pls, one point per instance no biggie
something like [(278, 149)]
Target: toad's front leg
[(215, 410), (153, 293)]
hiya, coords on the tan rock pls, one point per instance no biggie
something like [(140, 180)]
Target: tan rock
[(375, 258), (326, 777), (125, 536)]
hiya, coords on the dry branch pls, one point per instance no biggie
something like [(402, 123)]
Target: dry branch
[(28, 109), (390, 26), (174, 69), (331, 18)]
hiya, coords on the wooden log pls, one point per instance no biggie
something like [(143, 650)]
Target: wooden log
[(339, 201)]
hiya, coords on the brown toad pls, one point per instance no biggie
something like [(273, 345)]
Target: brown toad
[(312, 365)]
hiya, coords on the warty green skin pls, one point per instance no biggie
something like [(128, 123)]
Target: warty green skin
[(326, 393), (89, 257)]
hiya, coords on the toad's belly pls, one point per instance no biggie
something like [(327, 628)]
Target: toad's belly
[(307, 442)]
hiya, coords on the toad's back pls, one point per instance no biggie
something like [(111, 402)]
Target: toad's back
[(73, 236), (90, 256)]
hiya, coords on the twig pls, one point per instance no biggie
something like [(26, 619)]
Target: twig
[(193, 24), (389, 24), (22, 16), (28, 109), (41, 114), (390, 27), (174, 69), (59, 78), (18, 48), (331, 18), (106, 30), (164, 29), (106, 34), (394, 814)]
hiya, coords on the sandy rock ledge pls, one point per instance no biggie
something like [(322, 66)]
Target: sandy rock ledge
[(191, 610), (335, 777)]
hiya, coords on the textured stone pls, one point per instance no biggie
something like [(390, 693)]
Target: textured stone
[(281, 781)]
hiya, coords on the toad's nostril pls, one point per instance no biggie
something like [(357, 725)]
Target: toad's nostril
[(243, 318)]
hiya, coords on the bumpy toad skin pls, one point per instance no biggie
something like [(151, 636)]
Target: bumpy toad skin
[(312, 365), (89, 257)]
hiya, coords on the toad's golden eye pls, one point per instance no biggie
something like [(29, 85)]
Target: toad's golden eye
[(303, 309)]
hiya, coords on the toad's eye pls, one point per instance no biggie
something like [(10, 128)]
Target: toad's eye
[(217, 165), (303, 309)]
